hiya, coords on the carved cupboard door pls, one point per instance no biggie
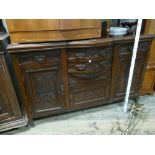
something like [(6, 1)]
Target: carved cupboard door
[(9, 108), (44, 86), (123, 66)]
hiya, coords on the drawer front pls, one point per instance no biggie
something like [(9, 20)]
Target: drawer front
[(92, 66), (90, 53), (39, 57), (78, 78), (128, 47)]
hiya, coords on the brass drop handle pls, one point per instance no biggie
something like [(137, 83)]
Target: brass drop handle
[(80, 54), (40, 57)]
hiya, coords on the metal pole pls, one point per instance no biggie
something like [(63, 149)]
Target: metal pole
[(132, 64)]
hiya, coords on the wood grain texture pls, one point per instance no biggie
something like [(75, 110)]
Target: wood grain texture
[(43, 30), (20, 82), (45, 36), (149, 78), (24, 25), (17, 48), (70, 24)]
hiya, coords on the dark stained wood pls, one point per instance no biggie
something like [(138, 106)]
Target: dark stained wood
[(15, 48), (22, 88), (9, 108), (10, 112), (65, 77), (43, 83), (89, 72), (89, 76)]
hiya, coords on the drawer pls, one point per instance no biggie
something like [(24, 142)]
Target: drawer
[(89, 77), (128, 47), (89, 66), (85, 54), (39, 57)]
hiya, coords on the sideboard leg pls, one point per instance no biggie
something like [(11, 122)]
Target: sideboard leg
[(31, 123)]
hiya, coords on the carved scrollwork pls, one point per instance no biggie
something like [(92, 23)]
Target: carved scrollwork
[(44, 89), (39, 57), (143, 46), (126, 48)]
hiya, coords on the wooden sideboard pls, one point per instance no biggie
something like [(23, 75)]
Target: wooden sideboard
[(149, 78), (59, 77), (43, 30), (10, 112)]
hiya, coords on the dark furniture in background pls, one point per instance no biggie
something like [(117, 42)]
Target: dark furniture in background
[(149, 77), (11, 115), (65, 76)]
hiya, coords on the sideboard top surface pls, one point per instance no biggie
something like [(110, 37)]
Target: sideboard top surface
[(15, 48)]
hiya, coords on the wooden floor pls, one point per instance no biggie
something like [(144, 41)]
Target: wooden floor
[(91, 121)]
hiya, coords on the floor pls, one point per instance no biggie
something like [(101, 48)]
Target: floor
[(91, 121)]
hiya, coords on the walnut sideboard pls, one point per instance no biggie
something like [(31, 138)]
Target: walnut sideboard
[(59, 77)]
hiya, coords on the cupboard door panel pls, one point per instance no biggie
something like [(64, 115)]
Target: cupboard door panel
[(123, 67), (44, 88), (122, 78), (89, 94)]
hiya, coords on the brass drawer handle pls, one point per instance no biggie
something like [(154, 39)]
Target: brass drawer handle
[(40, 57), (80, 66), (80, 54)]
